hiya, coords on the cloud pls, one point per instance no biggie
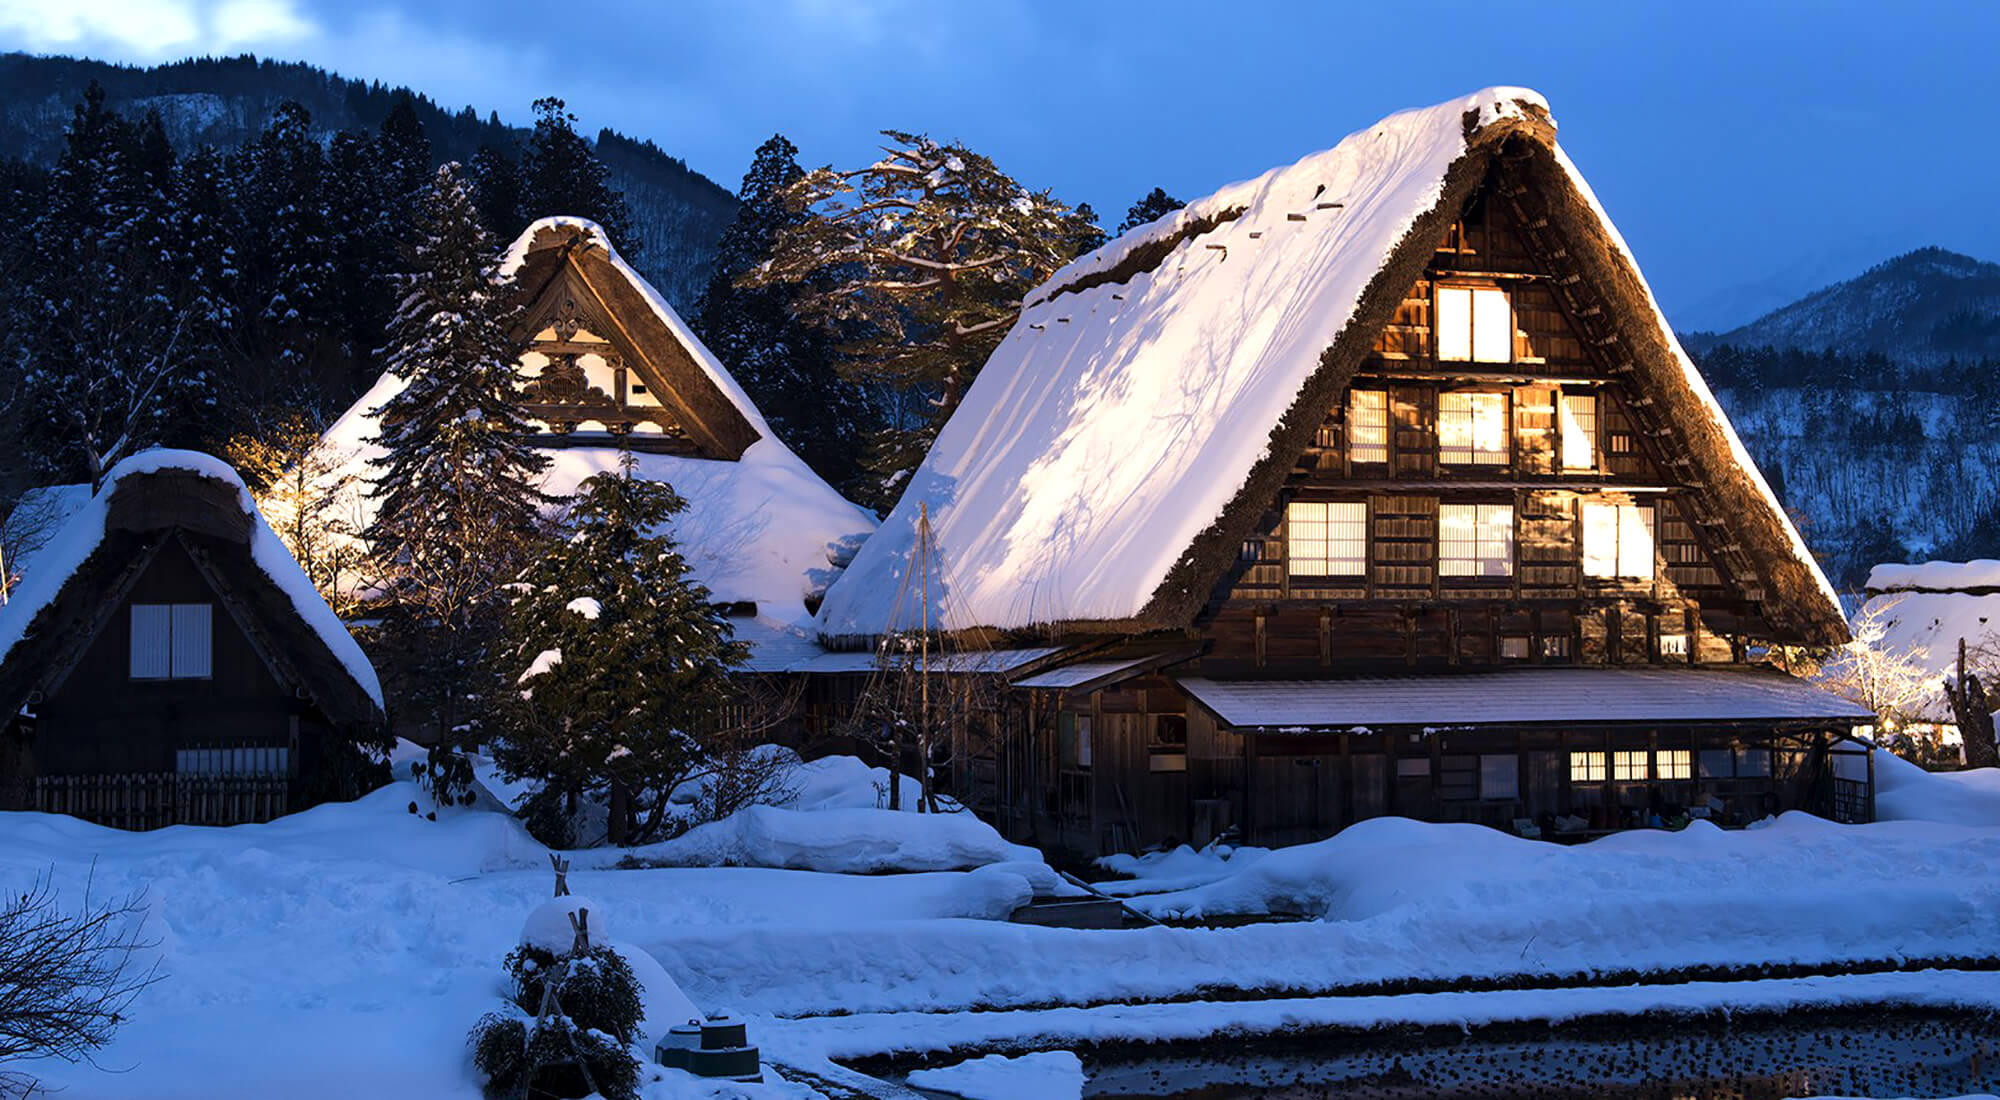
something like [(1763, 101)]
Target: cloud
[(152, 30)]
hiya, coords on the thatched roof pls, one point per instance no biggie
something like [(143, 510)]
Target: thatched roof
[(147, 502), (1126, 436)]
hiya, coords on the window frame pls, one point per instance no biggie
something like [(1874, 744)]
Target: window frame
[(1478, 300), (1475, 457), (1329, 540), (1589, 766), (1585, 434), (1624, 760), (1355, 426), (176, 661), (1481, 542), (1647, 516)]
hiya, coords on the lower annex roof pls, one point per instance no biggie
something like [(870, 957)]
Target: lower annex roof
[(1522, 697)]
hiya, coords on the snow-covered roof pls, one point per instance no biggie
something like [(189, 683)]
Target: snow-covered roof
[(762, 528), (1083, 672), (1113, 430), (1524, 696), (85, 531), (1001, 661), (1980, 574)]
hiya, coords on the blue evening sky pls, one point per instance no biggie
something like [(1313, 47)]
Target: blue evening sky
[(1749, 151)]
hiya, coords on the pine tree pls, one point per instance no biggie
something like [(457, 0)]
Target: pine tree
[(614, 663), (560, 174), (496, 186), (921, 260), (787, 366), (103, 351), (459, 511), (1156, 205), (290, 306)]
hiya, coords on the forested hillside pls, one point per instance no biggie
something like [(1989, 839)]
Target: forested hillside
[(676, 213), (1876, 461)]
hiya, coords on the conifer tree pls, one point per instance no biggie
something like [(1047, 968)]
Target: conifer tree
[(921, 260), (614, 663), (560, 174), (787, 365), (290, 304), (495, 177), (104, 353), (459, 508), (1156, 205)]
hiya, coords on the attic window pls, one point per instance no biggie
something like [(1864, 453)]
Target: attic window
[(1368, 426), (1472, 429), (1326, 539), (1474, 324), (1618, 541), (1579, 431), (170, 641)]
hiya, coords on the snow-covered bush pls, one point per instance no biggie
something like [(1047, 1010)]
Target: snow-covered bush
[(573, 1019)]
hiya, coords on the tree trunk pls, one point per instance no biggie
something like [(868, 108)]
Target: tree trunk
[(1969, 707)]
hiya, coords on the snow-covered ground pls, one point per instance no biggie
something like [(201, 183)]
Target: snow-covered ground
[(348, 949)]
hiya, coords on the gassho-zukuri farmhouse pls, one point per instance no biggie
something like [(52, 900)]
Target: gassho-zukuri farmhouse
[(1375, 485)]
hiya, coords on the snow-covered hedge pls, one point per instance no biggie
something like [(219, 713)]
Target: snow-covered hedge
[(847, 841)]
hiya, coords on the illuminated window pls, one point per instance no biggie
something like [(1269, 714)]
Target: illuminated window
[(1618, 540), (1674, 764), (1586, 767), (1514, 649), (1472, 428), (1368, 426), (1579, 431), (1476, 540), (1627, 766), (1326, 539), (1555, 646), (1673, 645), (1474, 324)]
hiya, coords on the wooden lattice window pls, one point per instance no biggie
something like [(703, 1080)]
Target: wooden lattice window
[(1326, 538), (1472, 428), (1476, 540), (1368, 426), (1617, 541), (1579, 431), (1474, 324)]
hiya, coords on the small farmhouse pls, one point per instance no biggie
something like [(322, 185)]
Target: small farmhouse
[(608, 365), (1375, 485), (167, 662)]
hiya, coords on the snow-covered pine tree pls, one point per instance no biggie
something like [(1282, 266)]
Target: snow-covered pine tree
[(560, 174), (290, 306), (459, 510), (615, 664), (1156, 205), (920, 261), (787, 365), (103, 351)]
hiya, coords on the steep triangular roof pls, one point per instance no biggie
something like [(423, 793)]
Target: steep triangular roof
[(761, 527), (83, 573), (1105, 467)]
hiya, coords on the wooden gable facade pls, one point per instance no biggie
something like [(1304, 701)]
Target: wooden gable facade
[(600, 361), (172, 681), (1502, 475)]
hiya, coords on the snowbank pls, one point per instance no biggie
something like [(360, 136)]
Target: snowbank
[(1047, 1075), (83, 532), (845, 841), (1906, 792), (1181, 869)]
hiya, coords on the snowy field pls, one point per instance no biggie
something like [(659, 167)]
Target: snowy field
[(347, 950)]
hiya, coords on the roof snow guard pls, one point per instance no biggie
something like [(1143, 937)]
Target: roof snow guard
[(1107, 463), (82, 574), (1522, 697)]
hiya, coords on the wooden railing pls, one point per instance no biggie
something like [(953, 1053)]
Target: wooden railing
[(151, 800)]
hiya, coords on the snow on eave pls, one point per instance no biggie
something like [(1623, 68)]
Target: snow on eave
[(81, 536), (1978, 575)]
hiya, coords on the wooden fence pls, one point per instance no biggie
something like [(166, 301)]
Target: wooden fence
[(154, 799)]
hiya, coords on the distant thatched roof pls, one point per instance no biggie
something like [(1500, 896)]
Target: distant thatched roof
[(81, 578), (1128, 433)]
